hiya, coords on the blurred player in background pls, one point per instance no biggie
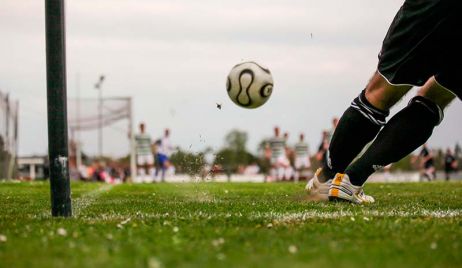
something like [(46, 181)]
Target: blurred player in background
[(302, 157), (164, 151), (421, 48), (450, 163), (321, 154), (144, 158), (289, 170), (277, 155), (427, 163), (331, 131)]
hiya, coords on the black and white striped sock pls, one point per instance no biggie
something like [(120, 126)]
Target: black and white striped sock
[(405, 132), (358, 125), (362, 105)]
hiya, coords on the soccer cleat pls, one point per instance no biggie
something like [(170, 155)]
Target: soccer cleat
[(318, 191), (342, 189)]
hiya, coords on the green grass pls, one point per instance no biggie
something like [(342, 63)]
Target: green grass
[(230, 225)]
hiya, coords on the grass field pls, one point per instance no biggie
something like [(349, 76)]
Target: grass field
[(230, 225)]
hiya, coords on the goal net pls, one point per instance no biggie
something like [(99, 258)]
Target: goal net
[(8, 136), (100, 137)]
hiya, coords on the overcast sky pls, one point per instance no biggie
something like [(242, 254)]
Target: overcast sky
[(172, 57)]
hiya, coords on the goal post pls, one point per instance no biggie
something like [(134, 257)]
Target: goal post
[(9, 111), (57, 108), (132, 143)]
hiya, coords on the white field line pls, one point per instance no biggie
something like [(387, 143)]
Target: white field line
[(292, 217), (302, 216), (87, 199)]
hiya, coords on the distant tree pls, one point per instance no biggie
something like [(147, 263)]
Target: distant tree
[(262, 146), (236, 140), (235, 153), (405, 164), (262, 160)]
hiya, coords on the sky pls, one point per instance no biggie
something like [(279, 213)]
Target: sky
[(172, 57)]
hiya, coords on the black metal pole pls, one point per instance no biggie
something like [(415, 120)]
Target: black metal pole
[(57, 108)]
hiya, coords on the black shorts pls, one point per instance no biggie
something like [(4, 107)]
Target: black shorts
[(429, 164), (424, 40)]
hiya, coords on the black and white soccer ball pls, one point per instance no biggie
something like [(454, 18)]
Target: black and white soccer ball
[(249, 84)]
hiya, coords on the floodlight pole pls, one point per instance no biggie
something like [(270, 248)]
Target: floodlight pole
[(57, 108), (98, 86), (78, 153)]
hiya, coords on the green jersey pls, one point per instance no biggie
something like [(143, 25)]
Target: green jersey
[(143, 144), (301, 149)]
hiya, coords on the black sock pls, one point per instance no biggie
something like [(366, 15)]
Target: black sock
[(358, 126), (404, 133)]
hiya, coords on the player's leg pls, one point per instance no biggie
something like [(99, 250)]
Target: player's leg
[(302, 165), (164, 167), (432, 173), (297, 175), (161, 158), (156, 165), (422, 173), (139, 174), (273, 169), (150, 168), (162, 173), (272, 173), (298, 168), (407, 57), (288, 169), (404, 133), (288, 172), (280, 172), (429, 173), (280, 168), (364, 118), (359, 124), (140, 169), (146, 176)]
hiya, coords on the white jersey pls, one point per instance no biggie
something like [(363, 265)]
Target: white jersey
[(143, 144), (165, 147)]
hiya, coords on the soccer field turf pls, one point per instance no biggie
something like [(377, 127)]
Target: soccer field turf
[(238, 225)]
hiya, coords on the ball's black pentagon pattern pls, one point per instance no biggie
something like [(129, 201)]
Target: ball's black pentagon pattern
[(266, 90)]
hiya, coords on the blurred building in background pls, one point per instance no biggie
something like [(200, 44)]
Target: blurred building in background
[(32, 167)]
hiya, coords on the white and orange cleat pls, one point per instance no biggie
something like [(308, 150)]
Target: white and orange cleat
[(318, 191), (342, 189)]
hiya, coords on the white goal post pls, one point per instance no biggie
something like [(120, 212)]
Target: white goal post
[(9, 112)]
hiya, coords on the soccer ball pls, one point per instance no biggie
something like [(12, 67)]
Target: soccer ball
[(249, 84)]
